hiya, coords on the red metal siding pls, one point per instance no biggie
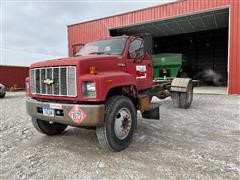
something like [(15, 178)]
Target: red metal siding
[(234, 51), (11, 75), (96, 29)]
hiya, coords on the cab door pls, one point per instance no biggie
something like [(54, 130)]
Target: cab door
[(139, 64)]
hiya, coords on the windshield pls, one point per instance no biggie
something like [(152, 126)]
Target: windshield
[(113, 46)]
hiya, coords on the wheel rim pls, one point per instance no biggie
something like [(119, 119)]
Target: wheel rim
[(123, 123)]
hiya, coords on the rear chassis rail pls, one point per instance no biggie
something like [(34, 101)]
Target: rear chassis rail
[(161, 88)]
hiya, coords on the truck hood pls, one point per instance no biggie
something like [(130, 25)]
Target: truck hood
[(77, 61)]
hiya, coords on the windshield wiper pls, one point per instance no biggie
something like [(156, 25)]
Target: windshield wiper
[(99, 53), (77, 55), (96, 53)]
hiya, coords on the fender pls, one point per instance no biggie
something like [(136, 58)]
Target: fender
[(180, 84), (105, 81)]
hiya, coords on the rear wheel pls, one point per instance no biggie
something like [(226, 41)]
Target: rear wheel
[(187, 97), (176, 99), (120, 123), (49, 128), (183, 99)]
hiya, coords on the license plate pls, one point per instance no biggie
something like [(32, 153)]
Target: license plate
[(47, 111)]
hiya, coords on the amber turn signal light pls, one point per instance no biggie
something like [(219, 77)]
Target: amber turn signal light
[(92, 70)]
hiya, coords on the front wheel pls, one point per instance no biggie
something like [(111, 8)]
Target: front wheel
[(48, 128), (120, 124)]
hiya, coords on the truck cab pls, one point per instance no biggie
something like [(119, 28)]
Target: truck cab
[(129, 57), (102, 86)]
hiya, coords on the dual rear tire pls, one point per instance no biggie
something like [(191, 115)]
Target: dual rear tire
[(183, 99)]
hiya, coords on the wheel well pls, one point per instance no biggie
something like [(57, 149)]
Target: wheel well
[(128, 91)]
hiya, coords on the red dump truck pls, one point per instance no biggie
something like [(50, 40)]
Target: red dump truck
[(102, 87)]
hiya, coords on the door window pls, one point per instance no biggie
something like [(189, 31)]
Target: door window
[(136, 45)]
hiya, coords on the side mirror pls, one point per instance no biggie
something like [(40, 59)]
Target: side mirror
[(147, 42)]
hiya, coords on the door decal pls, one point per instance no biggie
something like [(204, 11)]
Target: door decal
[(141, 72)]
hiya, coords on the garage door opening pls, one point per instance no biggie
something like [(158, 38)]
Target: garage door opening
[(202, 39)]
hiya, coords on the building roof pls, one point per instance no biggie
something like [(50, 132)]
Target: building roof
[(120, 14)]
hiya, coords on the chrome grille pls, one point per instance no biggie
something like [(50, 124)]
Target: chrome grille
[(63, 81)]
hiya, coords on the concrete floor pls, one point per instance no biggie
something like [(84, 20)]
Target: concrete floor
[(210, 90), (202, 142)]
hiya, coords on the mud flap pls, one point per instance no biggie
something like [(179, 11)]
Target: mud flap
[(153, 112)]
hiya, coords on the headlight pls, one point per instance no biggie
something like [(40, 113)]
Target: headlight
[(91, 86), (89, 89)]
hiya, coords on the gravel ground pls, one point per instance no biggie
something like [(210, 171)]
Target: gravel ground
[(198, 143)]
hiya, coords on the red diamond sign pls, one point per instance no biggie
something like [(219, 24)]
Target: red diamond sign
[(77, 115)]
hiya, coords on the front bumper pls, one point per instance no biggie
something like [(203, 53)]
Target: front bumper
[(94, 114)]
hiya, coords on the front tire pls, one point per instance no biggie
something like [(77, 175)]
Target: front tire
[(120, 124), (48, 128)]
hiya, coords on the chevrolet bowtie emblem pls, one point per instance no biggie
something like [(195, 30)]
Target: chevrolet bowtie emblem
[(48, 81)]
